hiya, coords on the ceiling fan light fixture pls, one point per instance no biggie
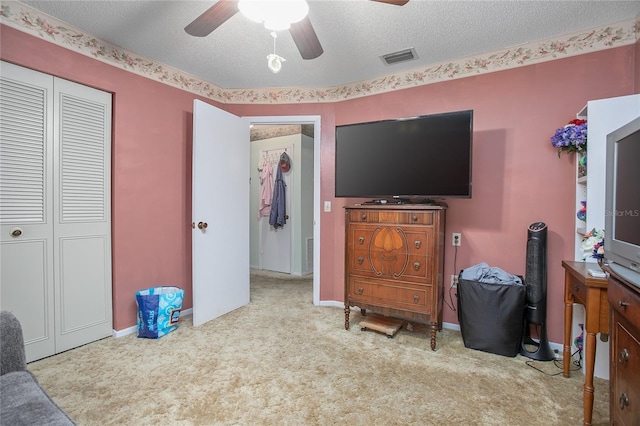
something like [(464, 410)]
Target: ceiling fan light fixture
[(276, 15), (274, 62)]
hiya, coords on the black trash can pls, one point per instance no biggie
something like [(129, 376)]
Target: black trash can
[(491, 316)]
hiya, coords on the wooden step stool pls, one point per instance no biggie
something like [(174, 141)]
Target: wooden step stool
[(386, 325)]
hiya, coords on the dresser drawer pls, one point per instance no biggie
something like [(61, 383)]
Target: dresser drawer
[(625, 390), (397, 295), (417, 241), (624, 301), (392, 217)]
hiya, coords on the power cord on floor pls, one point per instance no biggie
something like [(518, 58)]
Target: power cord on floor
[(560, 364)]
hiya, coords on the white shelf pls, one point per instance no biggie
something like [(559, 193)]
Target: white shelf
[(582, 114), (582, 180)]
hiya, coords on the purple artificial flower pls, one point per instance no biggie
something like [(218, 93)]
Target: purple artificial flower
[(570, 138)]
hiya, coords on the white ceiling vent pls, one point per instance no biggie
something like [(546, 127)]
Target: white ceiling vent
[(399, 56)]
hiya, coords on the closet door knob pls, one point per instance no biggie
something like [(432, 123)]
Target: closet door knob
[(15, 232), (202, 225)]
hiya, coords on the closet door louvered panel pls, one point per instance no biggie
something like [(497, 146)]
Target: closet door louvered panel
[(83, 230), (26, 213), (82, 134), (22, 152)]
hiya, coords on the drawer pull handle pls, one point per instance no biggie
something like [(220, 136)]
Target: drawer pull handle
[(416, 266), (360, 260), (416, 298), (414, 218), (361, 240), (417, 243), (622, 304), (623, 401), (364, 216), (624, 356), (576, 288), (360, 290)]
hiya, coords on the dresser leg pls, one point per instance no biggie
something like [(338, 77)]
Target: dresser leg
[(346, 318), (434, 329)]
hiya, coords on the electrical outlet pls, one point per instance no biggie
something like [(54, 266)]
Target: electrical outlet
[(454, 281), (456, 239)]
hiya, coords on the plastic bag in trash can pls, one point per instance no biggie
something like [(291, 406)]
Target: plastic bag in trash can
[(158, 310)]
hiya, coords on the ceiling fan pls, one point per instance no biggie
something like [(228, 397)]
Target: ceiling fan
[(302, 31)]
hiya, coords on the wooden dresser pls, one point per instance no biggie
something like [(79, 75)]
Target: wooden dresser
[(394, 262), (624, 380)]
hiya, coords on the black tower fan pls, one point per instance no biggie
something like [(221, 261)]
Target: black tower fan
[(535, 311)]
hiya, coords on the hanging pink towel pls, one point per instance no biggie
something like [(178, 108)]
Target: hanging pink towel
[(266, 191)]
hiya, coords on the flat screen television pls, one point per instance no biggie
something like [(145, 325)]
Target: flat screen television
[(415, 159), (622, 201)]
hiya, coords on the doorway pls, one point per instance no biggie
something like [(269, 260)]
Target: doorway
[(307, 252)]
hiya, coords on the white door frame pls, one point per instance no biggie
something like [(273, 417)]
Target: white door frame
[(315, 120)]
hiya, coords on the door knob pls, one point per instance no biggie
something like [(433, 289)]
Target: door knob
[(202, 225), (15, 232)]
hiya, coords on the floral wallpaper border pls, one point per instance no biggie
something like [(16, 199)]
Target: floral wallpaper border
[(269, 131), (31, 21)]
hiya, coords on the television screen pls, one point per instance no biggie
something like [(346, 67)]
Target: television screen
[(421, 157), (622, 214)]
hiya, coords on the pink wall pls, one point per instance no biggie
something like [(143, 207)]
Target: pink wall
[(518, 178), (151, 171)]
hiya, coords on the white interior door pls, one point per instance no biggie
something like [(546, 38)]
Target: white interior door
[(275, 244), (82, 227), (26, 208), (220, 208)]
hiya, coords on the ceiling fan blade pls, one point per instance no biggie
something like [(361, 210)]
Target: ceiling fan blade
[(394, 2), (212, 18), (306, 39)]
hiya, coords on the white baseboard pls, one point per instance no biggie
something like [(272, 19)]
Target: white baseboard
[(134, 329), (333, 303)]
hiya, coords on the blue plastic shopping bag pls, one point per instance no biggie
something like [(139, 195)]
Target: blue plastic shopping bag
[(158, 310)]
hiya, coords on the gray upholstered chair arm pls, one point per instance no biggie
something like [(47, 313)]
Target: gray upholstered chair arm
[(12, 353)]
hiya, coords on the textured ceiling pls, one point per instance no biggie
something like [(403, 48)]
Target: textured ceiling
[(353, 33)]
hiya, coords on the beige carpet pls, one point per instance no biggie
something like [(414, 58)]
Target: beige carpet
[(282, 361)]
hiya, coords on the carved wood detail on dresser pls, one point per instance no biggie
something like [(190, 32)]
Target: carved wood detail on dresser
[(394, 260)]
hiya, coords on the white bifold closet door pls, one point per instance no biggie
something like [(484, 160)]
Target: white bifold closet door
[(55, 209)]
